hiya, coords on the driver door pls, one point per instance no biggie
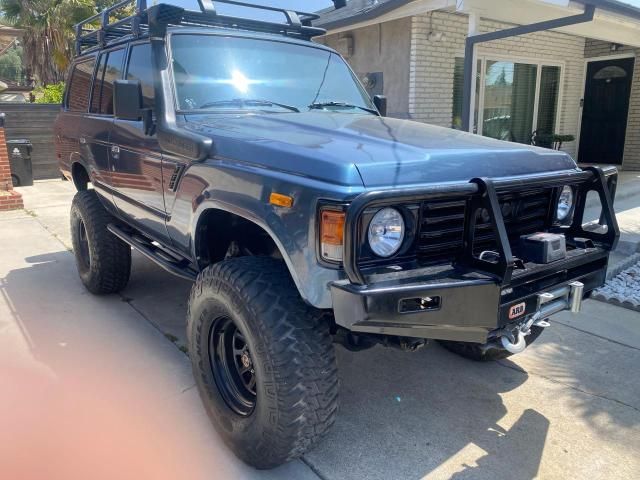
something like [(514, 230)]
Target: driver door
[(137, 161)]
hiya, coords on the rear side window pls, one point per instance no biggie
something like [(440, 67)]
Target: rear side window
[(140, 69), (80, 86), (109, 70)]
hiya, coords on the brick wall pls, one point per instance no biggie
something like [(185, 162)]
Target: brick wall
[(631, 158), (432, 66), (9, 199)]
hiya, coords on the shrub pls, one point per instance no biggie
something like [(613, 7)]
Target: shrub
[(52, 93)]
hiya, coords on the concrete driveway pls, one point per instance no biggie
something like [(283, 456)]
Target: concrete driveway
[(99, 388)]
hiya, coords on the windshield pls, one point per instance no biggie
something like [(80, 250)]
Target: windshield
[(216, 73)]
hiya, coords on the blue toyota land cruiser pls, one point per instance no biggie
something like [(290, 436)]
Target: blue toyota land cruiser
[(241, 155)]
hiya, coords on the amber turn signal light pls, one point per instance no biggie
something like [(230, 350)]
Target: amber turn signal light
[(332, 235), (281, 200)]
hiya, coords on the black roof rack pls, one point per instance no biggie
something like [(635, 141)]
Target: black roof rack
[(99, 30)]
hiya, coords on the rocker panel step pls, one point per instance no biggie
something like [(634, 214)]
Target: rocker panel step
[(179, 268)]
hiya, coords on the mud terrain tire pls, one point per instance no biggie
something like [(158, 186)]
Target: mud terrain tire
[(287, 399), (103, 260)]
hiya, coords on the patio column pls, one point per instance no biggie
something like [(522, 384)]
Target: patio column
[(9, 198)]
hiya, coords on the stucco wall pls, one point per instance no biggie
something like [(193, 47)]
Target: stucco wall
[(631, 159), (383, 48), (432, 65)]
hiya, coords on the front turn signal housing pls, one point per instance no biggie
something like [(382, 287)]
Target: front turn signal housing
[(332, 235)]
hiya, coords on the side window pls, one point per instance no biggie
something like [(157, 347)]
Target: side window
[(140, 69), (80, 86), (109, 70), (97, 85)]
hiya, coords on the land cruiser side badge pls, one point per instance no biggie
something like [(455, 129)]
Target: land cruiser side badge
[(516, 310)]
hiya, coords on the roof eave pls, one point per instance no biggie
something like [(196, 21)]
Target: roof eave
[(363, 16), (611, 6)]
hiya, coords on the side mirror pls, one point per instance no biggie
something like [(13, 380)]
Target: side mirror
[(127, 100), (380, 101), (127, 104)]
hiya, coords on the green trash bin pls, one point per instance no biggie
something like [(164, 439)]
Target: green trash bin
[(20, 161)]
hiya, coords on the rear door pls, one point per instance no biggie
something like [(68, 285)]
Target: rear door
[(98, 123), (137, 162)]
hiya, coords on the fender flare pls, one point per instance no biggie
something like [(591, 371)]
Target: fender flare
[(217, 204)]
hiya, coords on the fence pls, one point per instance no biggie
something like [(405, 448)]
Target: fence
[(34, 122)]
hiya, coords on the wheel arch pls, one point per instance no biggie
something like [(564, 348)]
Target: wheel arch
[(215, 211), (80, 176)]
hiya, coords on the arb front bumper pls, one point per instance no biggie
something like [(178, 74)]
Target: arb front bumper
[(472, 298)]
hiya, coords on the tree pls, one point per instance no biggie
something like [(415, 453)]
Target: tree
[(502, 78), (48, 32), (11, 64)]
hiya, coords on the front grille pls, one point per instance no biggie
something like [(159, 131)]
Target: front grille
[(442, 223), (441, 229)]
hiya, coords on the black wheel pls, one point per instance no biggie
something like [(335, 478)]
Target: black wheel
[(482, 352), (263, 360), (103, 260)]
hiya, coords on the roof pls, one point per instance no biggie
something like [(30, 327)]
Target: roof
[(358, 11)]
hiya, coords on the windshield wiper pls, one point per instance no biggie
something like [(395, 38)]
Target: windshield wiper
[(248, 102), (321, 105)]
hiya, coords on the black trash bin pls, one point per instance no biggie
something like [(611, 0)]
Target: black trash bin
[(20, 160)]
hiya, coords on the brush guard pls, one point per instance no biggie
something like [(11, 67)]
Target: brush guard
[(472, 299)]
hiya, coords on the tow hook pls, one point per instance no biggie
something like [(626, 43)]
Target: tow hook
[(568, 297), (513, 340)]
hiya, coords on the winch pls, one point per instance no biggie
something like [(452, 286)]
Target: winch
[(567, 297)]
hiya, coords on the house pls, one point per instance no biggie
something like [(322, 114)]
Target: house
[(533, 68)]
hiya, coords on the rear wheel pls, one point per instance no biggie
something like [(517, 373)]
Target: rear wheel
[(102, 259), (263, 360), (486, 352)]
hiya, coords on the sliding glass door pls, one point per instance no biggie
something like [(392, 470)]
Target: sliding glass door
[(548, 105), (514, 101), (509, 101)]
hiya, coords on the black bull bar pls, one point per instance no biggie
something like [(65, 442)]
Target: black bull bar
[(477, 296)]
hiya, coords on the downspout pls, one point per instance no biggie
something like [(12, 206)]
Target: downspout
[(472, 40)]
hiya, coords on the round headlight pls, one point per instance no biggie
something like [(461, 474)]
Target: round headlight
[(386, 232), (565, 203)]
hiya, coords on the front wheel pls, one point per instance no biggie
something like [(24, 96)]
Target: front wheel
[(486, 352), (263, 360)]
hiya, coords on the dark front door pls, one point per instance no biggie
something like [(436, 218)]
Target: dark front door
[(605, 110), (137, 162)]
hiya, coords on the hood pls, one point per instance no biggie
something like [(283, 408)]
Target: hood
[(381, 152)]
